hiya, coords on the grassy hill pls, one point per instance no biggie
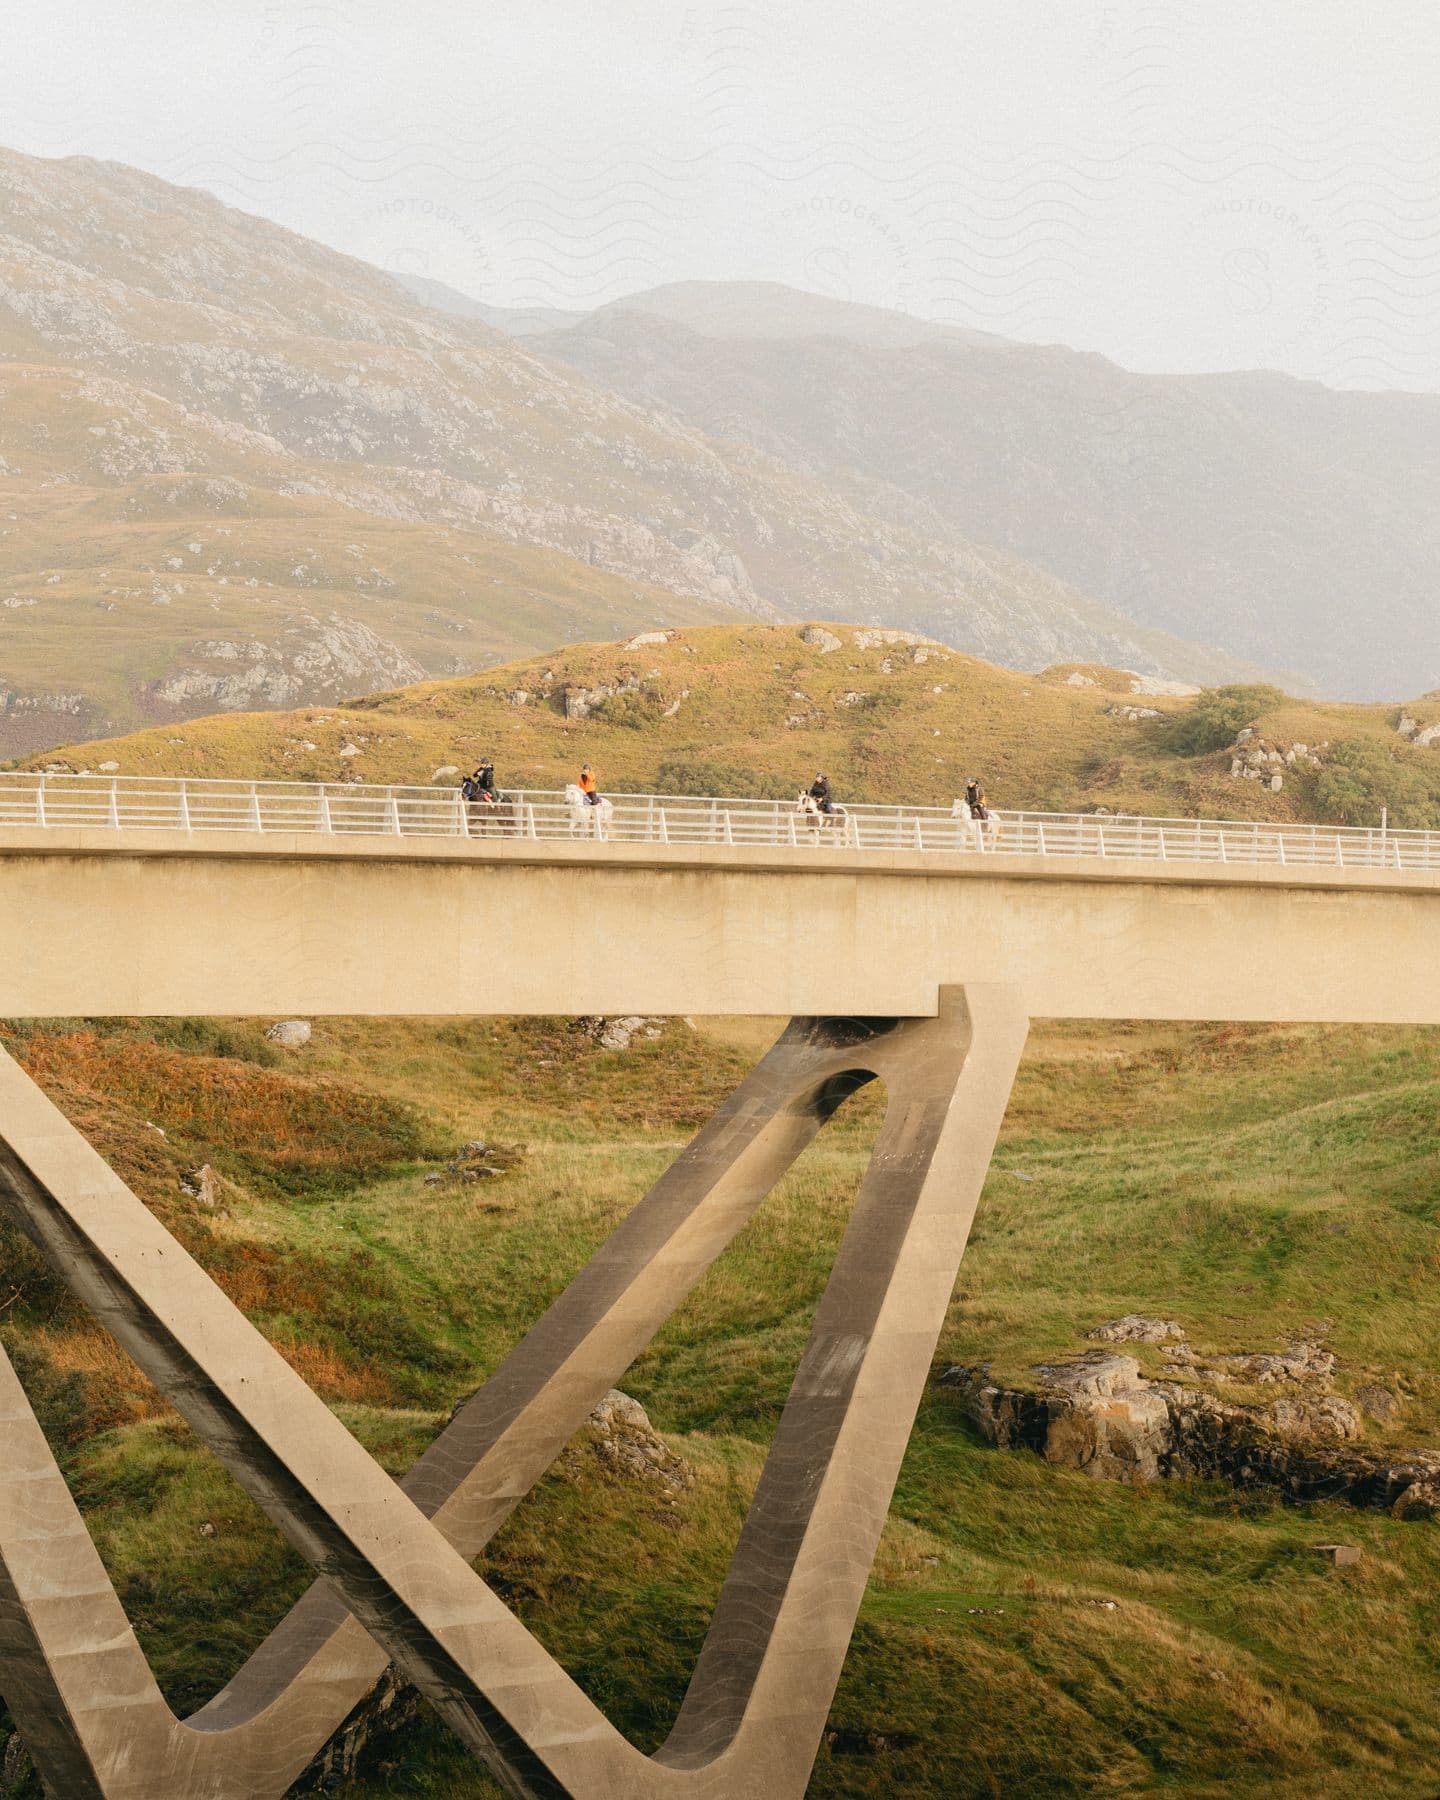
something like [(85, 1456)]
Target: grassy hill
[(1027, 1631), (758, 708)]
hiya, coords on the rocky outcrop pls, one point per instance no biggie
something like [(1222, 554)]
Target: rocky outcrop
[(1256, 758), (619, 1033), (202, 1184), (311, 658), (1100, 1413), (1418, 735), (1137, 1328), (1106, 1418), (390, 1704)]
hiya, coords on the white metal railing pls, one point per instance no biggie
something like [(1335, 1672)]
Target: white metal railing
[(127, 803)]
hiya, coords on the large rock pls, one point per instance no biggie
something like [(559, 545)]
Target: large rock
[(1376, 1402), (1098, 1414), (627, 1445), (202, 1184), (1111, 1422), (294, 1034)]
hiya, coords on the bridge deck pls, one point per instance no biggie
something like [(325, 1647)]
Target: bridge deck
[(342, 809)]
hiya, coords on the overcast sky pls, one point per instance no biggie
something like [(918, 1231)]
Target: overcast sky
[(1181, 184)]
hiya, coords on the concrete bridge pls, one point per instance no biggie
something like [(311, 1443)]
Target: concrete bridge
[(918, 948), (248, 898)]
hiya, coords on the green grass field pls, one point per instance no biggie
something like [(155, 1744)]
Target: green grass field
[(1255, 1184)]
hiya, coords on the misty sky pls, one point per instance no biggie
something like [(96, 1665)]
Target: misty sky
[(1180, 184)]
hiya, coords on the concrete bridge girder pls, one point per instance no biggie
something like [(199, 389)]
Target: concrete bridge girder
[(135, 923)]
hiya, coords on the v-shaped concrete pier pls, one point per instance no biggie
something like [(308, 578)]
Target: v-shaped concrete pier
[(394, 1557)]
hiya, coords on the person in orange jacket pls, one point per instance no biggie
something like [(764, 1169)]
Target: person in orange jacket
[(587, 785)]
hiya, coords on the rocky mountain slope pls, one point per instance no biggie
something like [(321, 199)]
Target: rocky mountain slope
[(154, 344), (756, 709), (1290, 524)]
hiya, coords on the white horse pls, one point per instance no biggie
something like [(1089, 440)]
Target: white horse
[(587, 820), (816, 817), (972, 833)]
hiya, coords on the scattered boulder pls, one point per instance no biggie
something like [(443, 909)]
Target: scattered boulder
[(202, 1184), (291, 1034), (648, 637), (478, 1161), (823, 640), (619, 1034), (1255, 758), (1136, 1328), (616, 1409), (1421, 736), (872, 637), (1341, 1556), (107, 768), (621, 1436)]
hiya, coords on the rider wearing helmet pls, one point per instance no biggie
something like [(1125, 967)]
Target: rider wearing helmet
[(485, 781), (587, 785), (820, 792)]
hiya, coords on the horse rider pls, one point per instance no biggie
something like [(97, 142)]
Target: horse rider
[(820, 792), (587, 786), (478, 790), (975, 798)]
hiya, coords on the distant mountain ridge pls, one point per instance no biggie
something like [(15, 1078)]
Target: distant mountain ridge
[(237, 467), (1290, 524)]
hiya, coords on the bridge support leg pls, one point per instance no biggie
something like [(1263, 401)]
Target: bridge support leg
[(396, 1557)]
